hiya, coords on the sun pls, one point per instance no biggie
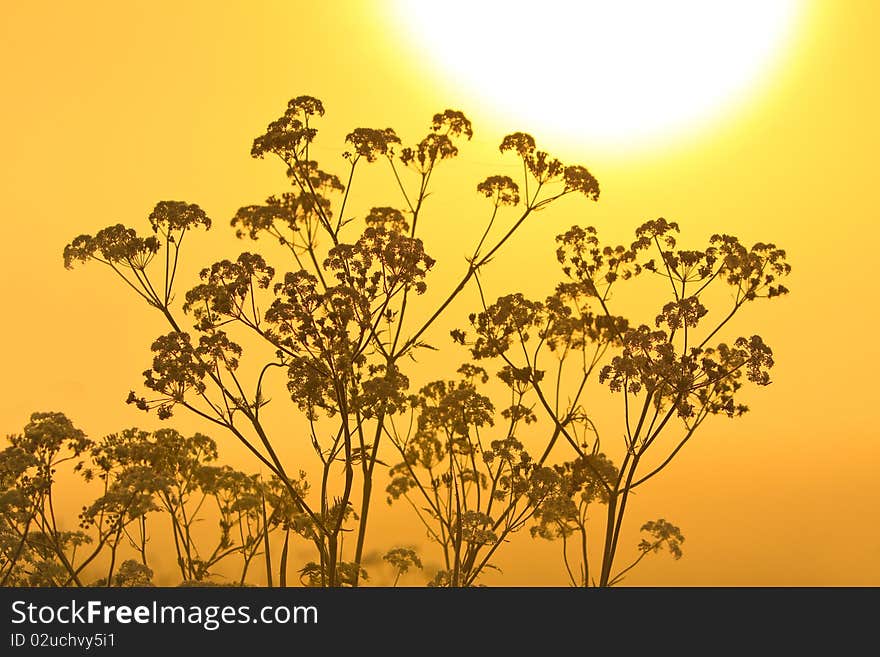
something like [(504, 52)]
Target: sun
[(620, 74)]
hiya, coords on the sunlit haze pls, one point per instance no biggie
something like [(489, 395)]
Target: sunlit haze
[(619, 74), (756, 119)]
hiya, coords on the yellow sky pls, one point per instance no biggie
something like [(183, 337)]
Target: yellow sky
[(110, 107)]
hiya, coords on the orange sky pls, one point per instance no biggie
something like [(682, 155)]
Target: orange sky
[(110, 107)]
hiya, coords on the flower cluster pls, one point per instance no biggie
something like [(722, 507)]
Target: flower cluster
[(226, 287), (402, 559), (501, 189), (370, 143), (681, 313), (176, 370), (544, 167), (594, 266), (289, 136), (168, 217), (663, 533), (380, 262), (452, 122), (388, 219), (282, 217), (116, 245), (510, 317), (755, 271), (439, 143)]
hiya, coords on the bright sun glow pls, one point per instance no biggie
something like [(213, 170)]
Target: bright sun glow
[(614, 73)]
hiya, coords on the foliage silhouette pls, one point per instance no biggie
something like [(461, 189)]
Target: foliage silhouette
[(140, 475), (476, 465), (666, 373)]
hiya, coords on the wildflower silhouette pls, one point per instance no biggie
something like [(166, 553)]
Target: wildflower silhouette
[(340, 331), (141, 475), (671, 376)]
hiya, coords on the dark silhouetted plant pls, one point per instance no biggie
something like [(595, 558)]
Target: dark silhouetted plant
[(670, 376), (37, 550), (340, 330), (140, 474), (336, 323)]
